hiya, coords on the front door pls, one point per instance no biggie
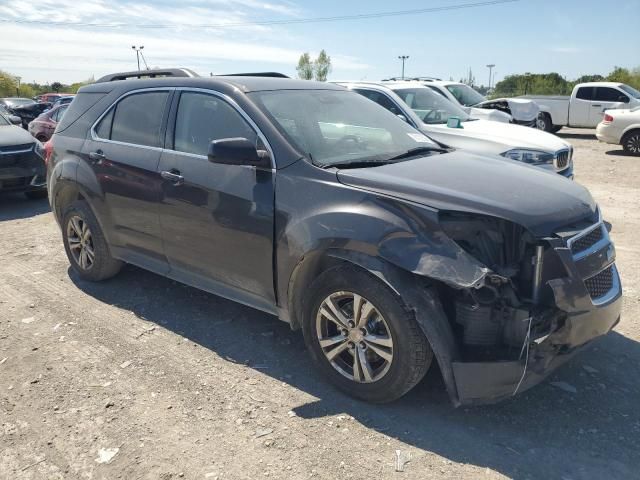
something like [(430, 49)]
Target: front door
[(217, 220), (124, 152)]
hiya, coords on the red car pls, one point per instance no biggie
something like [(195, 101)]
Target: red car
[(43, 126), (51, 97)]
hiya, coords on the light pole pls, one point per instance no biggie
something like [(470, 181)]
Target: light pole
[(403, 58), (490, 67), (138, 52)]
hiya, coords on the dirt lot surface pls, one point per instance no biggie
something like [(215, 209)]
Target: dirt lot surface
[(140, 377)]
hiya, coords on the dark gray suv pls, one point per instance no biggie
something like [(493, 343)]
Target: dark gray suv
[(316, 205)]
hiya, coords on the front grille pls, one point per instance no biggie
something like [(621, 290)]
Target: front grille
[(587, 241), (15, 148), (600, 284), (562, 159)]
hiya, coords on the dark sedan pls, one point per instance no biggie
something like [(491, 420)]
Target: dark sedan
[(22, 168)]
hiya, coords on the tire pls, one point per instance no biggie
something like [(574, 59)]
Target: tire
[(544, 122), (631, 142), (77, 218), (389, 328), (36, 194)]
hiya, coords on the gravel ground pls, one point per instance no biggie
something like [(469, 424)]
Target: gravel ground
[(141, 377)]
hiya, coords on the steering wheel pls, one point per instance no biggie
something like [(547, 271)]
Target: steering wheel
[(354, 139), (436, 115)]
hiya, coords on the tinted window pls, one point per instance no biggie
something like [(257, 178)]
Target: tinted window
[(138, 119), (429, 106), (78, 108), (606, 94), (437, 90), (585, 93), (381, 99), (59, 113), (202, 118), (104, 127)]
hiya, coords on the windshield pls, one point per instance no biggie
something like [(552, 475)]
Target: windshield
[(630, 90), (4, 121), (465, 95), (429, 106), (16, 102), (336, 127)]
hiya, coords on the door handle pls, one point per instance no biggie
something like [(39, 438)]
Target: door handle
[(596, 106), (173, 176), (97, 156)]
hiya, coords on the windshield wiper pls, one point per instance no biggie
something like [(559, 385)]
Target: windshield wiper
[(415, 152), (357, 164)]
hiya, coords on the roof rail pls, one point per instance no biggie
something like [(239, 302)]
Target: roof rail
[(162, 72), (255, 74), (409, 79)]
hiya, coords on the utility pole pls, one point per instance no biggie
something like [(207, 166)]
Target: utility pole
[(490, 67), (403, 58), (18, 87), (138, 52)]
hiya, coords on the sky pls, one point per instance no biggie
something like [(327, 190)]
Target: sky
[(571, 37)]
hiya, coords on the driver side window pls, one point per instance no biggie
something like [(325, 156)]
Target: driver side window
[(202, 118), (381, 99)]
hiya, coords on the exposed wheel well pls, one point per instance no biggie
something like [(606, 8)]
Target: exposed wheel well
[(629, 133)]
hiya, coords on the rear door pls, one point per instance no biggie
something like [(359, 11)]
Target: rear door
[(580, 107), (217, 220), (124, 151), (606, 98)]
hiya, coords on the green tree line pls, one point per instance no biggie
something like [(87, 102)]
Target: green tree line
[(11, 86), (556, 84)]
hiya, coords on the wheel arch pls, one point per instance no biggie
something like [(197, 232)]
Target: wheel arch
[(418, 293)]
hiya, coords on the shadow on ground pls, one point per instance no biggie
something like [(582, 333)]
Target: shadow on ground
[(15, 205), (618, 153), (547, 432), (577, 136)]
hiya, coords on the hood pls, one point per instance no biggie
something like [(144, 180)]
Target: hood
[(539, 201), (488, 114), (14, 135), (521, 109), (486, 137)]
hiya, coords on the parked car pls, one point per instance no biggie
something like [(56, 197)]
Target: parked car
[(586, 105), (430, 113), (21, 165), (43, 126), (12, 102), (309, 202), (621, 127), (522, 112), (51, 97), (66, 100), (29, 111)]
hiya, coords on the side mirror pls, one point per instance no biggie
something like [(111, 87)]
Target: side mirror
[(402, 117), (623, 99), (15, 120), (454, 122), (238, 151)]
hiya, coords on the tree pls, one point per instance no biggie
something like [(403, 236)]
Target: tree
[(8, 84), (318, 68), (322, 66), (56, 86), (305, 67)]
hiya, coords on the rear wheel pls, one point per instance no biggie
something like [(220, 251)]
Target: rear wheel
[(362, 337), (631, 142), (85, 244), (544, 122)]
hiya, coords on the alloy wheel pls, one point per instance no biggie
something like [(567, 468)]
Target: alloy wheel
[(354, 337), (80, 242), (633, 143)]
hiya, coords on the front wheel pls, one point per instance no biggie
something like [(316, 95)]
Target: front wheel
[(544, 122), (631, 142), (362, 337)]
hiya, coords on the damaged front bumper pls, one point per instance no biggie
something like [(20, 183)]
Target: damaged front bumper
[(584, 311)]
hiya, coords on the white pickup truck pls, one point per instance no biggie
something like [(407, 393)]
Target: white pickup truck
[(586, 105)]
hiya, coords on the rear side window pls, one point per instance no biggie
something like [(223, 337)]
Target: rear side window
[(138, 119), (202, 118), (607, 94), (585, 93)]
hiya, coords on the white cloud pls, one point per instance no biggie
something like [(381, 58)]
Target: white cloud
[(42, 52)]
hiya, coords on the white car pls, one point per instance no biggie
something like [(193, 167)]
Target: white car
[(521, 111), (586, 105), (621, 127), (437, 117)]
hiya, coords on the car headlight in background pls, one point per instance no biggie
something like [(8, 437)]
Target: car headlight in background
[(532, 157)]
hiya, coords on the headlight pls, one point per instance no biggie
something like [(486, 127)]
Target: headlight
[(532, 157), (39, 149)]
